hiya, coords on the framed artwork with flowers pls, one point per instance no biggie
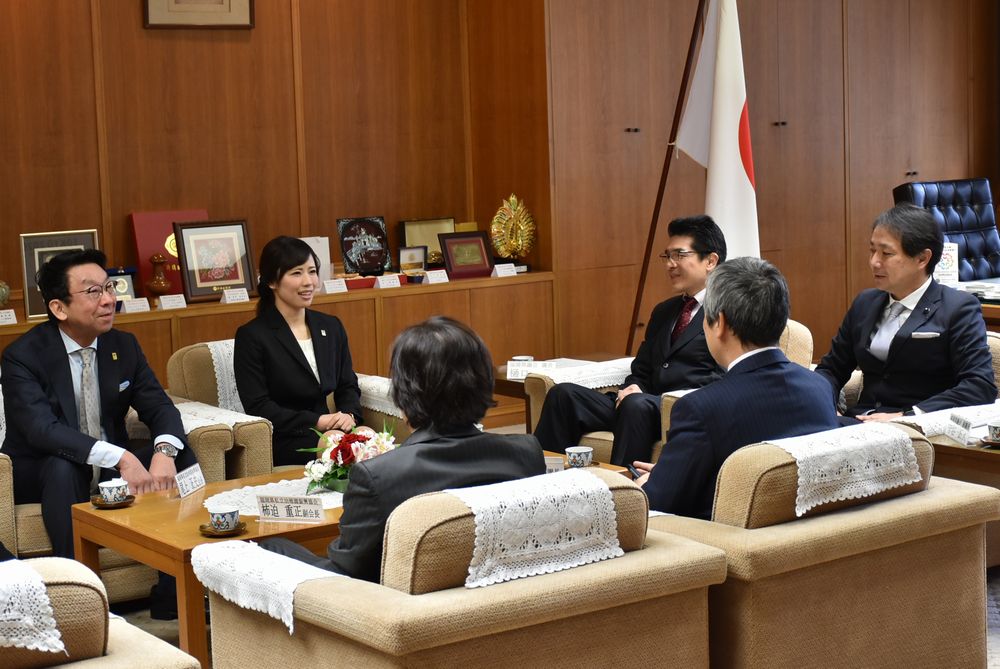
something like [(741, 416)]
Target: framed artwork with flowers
[(214, 256), (36, 249)]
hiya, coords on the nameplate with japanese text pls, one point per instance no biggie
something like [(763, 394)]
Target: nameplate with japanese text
[(235, 295), (172, 301), (290, 509), (436, 276), (958, 429), (135, 306), (387, 281), (189, 480), (504, 269), (331, 286), (8, 317)]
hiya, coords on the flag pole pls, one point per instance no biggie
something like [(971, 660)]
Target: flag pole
[(678, 110)]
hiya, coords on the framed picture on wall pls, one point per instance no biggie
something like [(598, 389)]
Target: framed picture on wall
[(466, 254), (412, 258), (36, 249), (197, 13), (214, 255), (364, 245)]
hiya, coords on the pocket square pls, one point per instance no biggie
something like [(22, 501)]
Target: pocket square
[(122, 386), (925, 335)]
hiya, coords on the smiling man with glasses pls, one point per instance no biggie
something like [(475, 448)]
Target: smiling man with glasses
[(67, 386), (673, 356)]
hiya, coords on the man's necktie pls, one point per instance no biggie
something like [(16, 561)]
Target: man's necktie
[(883, 338), (89, 401), (684, 319)]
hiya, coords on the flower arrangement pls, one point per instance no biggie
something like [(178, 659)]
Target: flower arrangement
[(339, 451)]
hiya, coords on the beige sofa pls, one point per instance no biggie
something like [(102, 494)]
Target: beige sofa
[(23, 532), (80, 608), (897, 580), (796, 341), (648, 605), (191, 374)]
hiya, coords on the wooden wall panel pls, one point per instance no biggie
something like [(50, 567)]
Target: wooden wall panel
[(201, 118), (508, 93), (211, 326), (358, 318), (154, 338), (984, 62), (383, 93), (48, 151), (593, 308), (398, 312), (515, 320)]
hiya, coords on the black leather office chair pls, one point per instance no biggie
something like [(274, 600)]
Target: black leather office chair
[(964, 210)]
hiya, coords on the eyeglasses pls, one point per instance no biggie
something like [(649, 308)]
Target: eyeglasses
[(676, 255), (95, 292)]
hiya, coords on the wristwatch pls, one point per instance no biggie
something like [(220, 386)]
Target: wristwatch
[(166, 449)]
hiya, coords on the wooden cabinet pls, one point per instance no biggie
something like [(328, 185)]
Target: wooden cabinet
[(793, 57), (908, 106)]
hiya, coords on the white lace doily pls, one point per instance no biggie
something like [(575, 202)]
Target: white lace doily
[(595, 375), (936, 422), (193, 415), (246, 497), (539, 525), (850, 463), (25, 610), (375, 396), (254, 578), (225, 378)]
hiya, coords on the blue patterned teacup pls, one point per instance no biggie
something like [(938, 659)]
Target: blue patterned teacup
[(579, 456), (113, 491), (224, 518)]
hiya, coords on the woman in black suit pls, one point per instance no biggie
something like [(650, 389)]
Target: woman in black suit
[(290, 358)]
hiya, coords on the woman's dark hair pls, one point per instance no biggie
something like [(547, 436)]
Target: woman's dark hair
[(53, 277), (442, 375), (280, 255)]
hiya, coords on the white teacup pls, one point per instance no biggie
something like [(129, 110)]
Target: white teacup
[(579, 456), (993, 430), (114, 490), (224, 518)]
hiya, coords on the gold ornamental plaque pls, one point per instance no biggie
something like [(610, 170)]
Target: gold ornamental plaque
[(512, 229)]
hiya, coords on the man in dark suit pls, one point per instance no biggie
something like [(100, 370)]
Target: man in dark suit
[(920, 345), (67, 385), (442, 380), (672, 356), (762, 396)]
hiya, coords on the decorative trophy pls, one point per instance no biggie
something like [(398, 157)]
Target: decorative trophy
[(159, 284), (512, 230)]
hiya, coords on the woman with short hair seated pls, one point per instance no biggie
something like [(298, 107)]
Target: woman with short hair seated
[(289, 358), (442, 380)]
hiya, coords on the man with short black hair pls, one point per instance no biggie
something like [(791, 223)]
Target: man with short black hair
[(673, 356), (762, 396), (67, 386), (921, 346)]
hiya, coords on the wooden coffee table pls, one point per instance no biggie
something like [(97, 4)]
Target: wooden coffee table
[(160, 529)]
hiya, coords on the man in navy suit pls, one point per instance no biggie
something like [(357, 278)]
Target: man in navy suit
[(920, 345), (673, 356), (762, 396), (52, 446)]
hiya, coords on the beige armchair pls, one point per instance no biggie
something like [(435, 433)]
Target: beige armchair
[(23, 532), (892, 580), (192, 374), (422, 615), (796, 341), (80, 608)]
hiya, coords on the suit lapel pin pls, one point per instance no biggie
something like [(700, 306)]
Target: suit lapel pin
[(323, 332), (114, 355), (927, 310)]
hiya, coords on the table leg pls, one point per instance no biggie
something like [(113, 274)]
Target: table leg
[(191, 616), (85, 552)]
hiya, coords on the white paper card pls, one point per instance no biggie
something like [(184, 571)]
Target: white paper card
[(554, 464), (387, 281), (334, 286), (504, 269), (8, 317), (436, 276), (958, 429), (518, 369), (190, 479), (135, 305), (234, 295), (172, 301), (946, 270), (288, 509), (321, 247)]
